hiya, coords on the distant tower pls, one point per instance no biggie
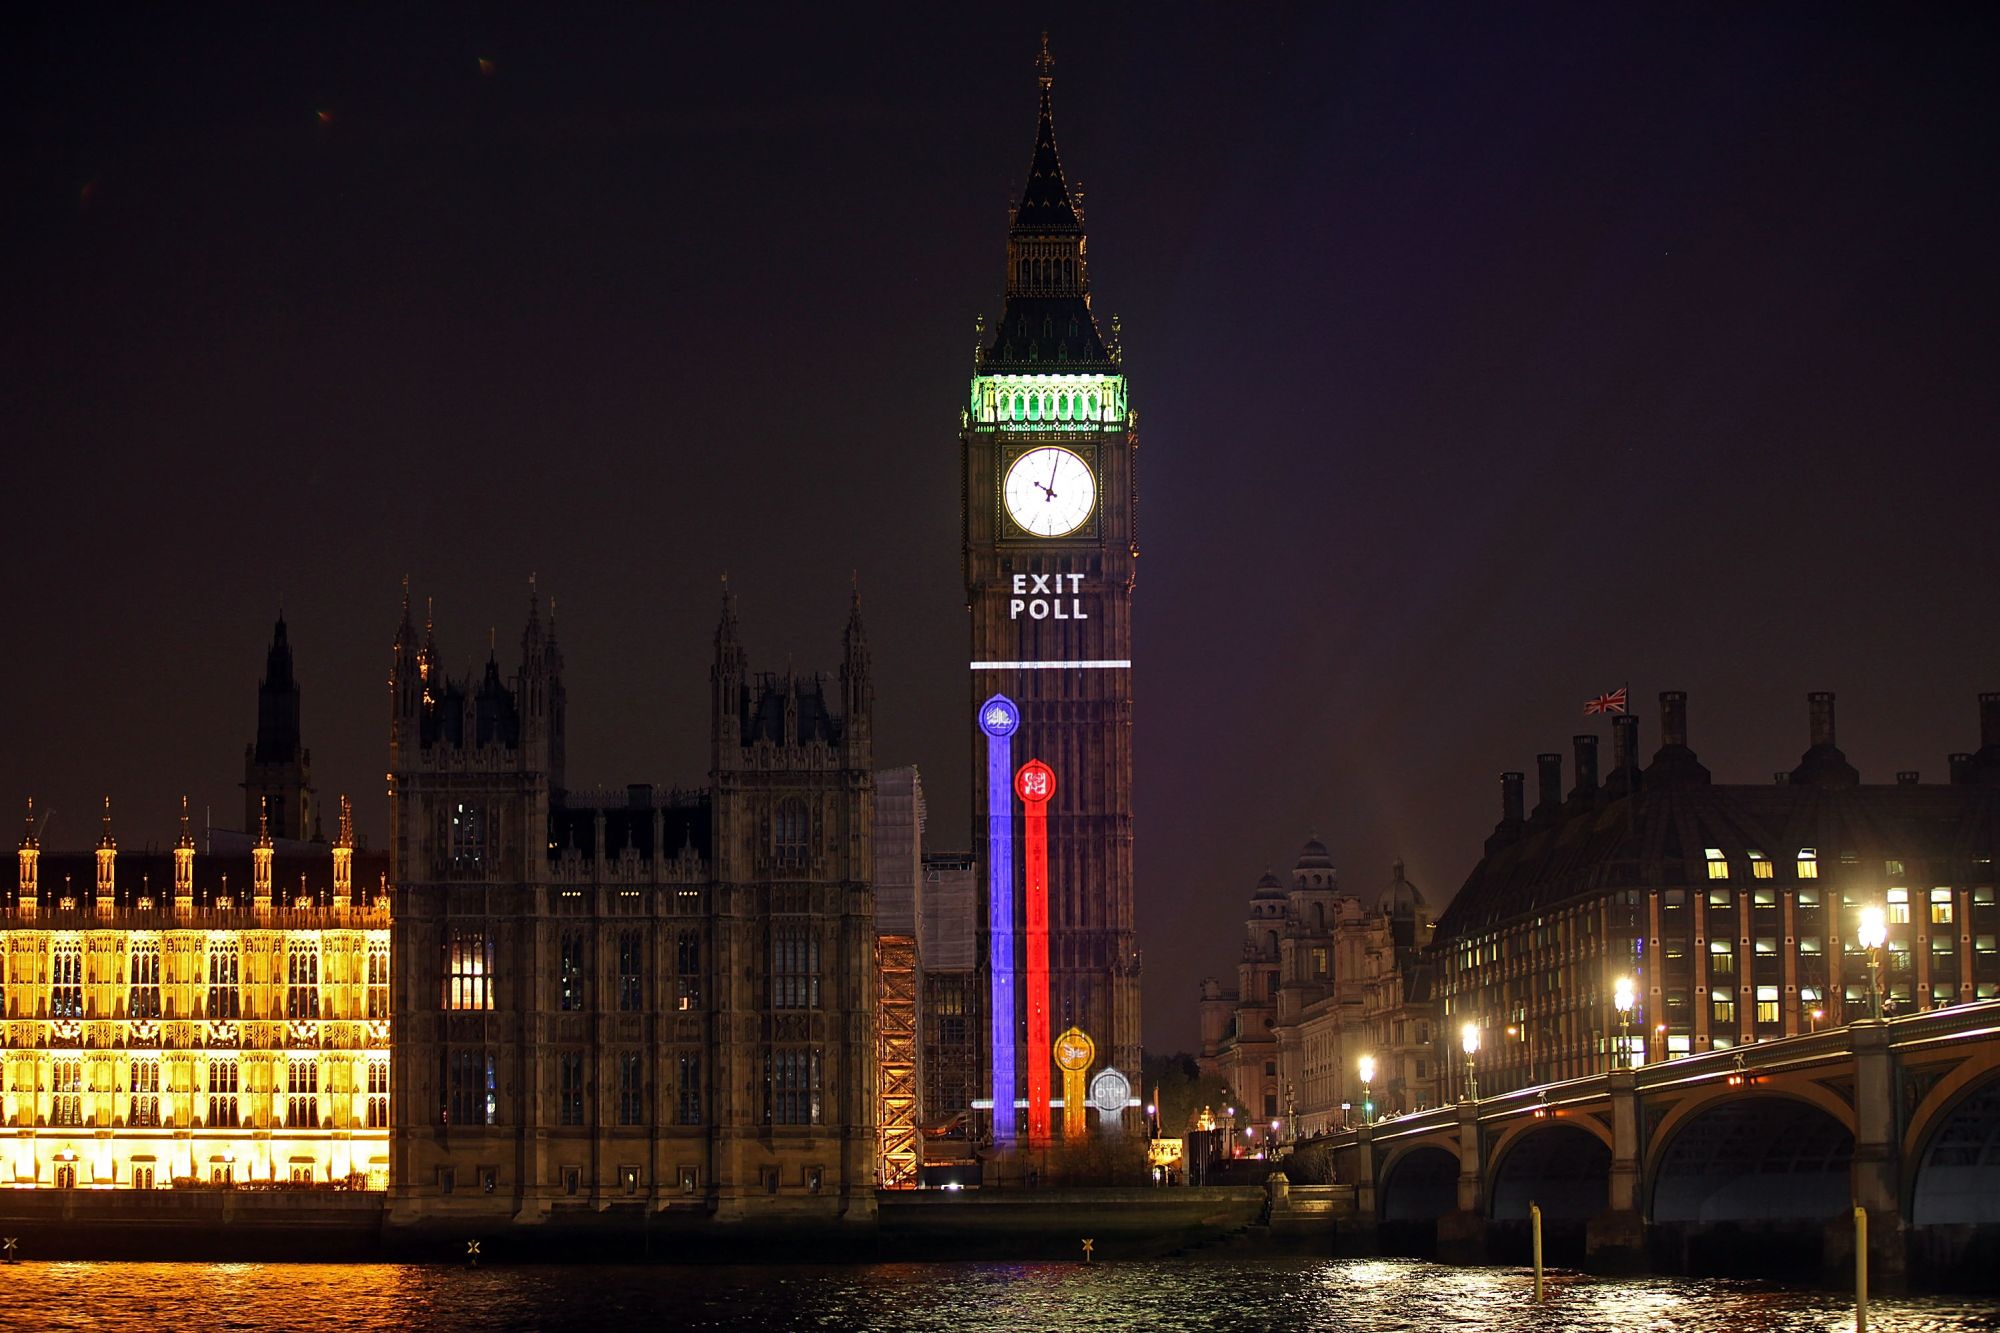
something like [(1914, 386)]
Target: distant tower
[(277, 769)]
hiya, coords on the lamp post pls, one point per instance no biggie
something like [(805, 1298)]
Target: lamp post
[(1622, 1000), (1872, 934), (1468, 1041), (1366, 1067)]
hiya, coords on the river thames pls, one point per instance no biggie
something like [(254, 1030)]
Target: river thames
[(1367, 1296)]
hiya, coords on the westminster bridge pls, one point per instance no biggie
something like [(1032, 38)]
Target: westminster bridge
[(1748, 1159)]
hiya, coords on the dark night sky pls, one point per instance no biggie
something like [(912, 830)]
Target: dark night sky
[(1487, 358)]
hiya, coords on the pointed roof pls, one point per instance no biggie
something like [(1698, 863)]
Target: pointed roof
[(1045, 203)]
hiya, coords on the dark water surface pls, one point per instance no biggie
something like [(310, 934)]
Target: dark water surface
[(1350, 1294)]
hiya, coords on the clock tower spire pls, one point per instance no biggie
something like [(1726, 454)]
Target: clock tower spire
[(1049, 447)]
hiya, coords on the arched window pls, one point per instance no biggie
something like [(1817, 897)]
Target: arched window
[(1271, 943), (1093, 407), (788, 835)]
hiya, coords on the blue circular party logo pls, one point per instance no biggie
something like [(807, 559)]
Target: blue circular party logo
[(998, 716)]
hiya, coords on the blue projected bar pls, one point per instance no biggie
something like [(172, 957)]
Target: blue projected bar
[(999, 718)]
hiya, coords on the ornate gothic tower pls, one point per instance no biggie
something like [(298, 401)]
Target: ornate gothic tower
[(1050, 446), (277, 768)]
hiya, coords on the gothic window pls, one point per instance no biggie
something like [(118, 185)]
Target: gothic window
[(687, 970), (631, 970), (143, 998), (378, 1094), (378, 980), (569, 1090), (794, 968), (223, 1085), (66, 993), (143, 1108), (788, 835), (302, 1093), (688, 1085), (471, 1091), (225, 967), (631, 1089), (468, 970), (68, 1105), (302, 979), (792, 1086), (468, 835), (570, 972)]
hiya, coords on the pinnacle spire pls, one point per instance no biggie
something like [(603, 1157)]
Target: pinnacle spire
[(1046, 205), (32, 837), (107, 840), (346, 822)]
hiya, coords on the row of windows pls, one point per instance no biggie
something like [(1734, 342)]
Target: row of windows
[(224, 1090), (469, 972), (472, 1094)]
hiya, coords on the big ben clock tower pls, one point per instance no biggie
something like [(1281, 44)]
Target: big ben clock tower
[(1049, 448)]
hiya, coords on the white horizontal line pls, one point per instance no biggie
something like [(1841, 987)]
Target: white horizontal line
[(1104, 664)]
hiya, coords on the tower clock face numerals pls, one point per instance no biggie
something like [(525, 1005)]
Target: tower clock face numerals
[(1049, 492)]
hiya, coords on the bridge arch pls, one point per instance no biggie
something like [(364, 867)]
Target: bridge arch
[(1419, 1182), (1955, 1178), (1562, 1164), (1769, 1157)]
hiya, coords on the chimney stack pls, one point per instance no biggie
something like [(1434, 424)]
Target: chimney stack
[(1511, 798), (1673, 717), (1586, 765), (1961, 767), (1989, 721), (1907, 777), (1549, 783), (1820, 704), (1625, 743)]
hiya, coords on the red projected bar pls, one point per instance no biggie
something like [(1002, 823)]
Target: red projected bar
[(1035, 784)]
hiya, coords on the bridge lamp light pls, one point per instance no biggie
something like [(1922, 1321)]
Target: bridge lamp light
[(1366, 1067), (1468, 1040), (1872, 934), (1623, 998)]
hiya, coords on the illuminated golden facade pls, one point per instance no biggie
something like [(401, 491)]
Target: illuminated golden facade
[(193, 1020)]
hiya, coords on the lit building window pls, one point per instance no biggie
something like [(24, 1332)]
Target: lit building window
[(1941, 907), (1767, 1004), (225, 969), (569, 1089), (1721, 898), (631, 970), (1767, 946), (67, 1109), (1764, 897), (378, 1094), (631, 1089), (1760, 866), (223, 1085), (143, 1083), (66, 980), (1721, 957), (1808, 898), (1718, 865), (468, 970), (1808, 863), (1899, 907), (468, 835), (302, 979), (794, 971), (378, 980), (1723, 1009), (143, 969), (688, 1085), (1893, 869), (471, 1091), (570, 972), (302, 1093), (687, 970), (792, 1086)]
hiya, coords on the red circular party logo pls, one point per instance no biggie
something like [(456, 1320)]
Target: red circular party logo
[(1035, 783)]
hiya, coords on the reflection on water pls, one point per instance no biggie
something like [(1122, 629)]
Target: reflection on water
[(1366, 1296)]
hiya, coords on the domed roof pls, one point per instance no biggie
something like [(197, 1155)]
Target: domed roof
[(1314, 856), (1399, 897), (1268, 887)]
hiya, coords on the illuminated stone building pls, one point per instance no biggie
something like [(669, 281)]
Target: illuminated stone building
[(185, 1019), (1321, 981), (1732, 907), (634, 999), (1049, 449)]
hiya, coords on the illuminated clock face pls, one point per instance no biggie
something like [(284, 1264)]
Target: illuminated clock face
[(1050, 492)]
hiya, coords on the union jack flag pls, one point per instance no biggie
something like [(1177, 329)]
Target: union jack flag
[(1613, 702)]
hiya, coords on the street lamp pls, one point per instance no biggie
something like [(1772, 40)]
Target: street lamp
[(1468, 1040), (1622, 1000), (1872, 934), (1366, 1065), (1817, 1015)]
